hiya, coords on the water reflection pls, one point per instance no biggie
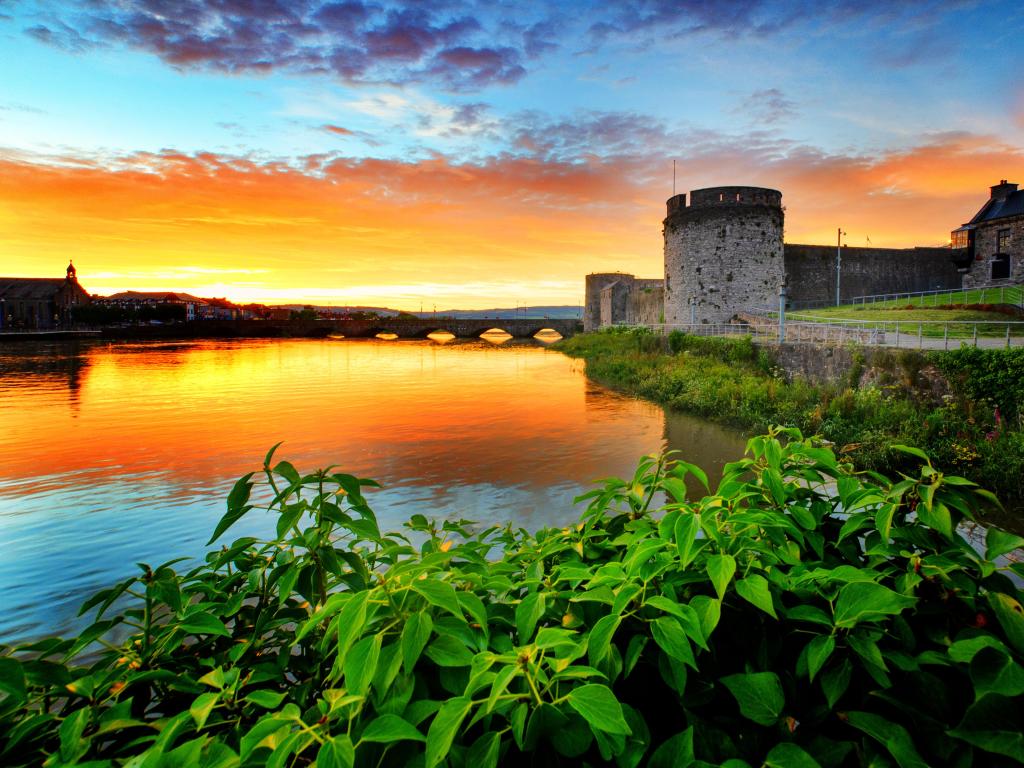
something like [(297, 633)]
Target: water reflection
[(138, 467)]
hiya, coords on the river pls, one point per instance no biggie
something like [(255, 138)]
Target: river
[(117, 453)]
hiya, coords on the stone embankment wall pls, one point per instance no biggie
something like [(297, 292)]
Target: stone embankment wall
[(905, 369), (723, 251), (811, 271)]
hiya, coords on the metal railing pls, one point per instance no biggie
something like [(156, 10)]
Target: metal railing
[(922, 334), (1001, 294)]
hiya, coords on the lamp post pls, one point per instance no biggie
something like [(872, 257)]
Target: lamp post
[(839, 259), (782, 314), (693, 311)]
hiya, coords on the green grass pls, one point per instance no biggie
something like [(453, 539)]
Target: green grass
[(1009, 294), (933, 321)]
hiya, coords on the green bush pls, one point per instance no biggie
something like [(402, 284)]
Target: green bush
[(732, 381), (994, 375), (804, 614)]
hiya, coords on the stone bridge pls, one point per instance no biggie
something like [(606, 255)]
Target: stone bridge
[(404, 328), (418, 328)]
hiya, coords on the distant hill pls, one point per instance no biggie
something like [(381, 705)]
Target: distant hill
[(553, 312)]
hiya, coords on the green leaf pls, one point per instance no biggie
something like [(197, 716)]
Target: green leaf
[(528, 613), (786, 754), (721, 569), (755, 590), (266, 699), (449, 651), (201, 708), (709, 611), (999, 542), (912, 452), (336, 752), (236, 506), (685, 533), (993, 671), (867, 601), (835, 681), (937, 517), (669, 636), (72, 745), (12, 678), (599, 707), (892, 736), (386, 729), (439, 593), (818, 651), (204, 624), (485, 751), (600, 638), (360, 664), (992, 723), (415, 635), (442, 730), (675, 752), (1010, 614), (759, 695)]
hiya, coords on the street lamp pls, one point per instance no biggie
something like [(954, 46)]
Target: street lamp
[(839, 258)]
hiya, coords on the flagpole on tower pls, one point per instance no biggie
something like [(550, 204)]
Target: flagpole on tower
[(673, 178)]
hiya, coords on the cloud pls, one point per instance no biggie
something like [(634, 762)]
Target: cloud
[(552, 209), (760, 18), (337, 130), (767, 107), (355, 41)]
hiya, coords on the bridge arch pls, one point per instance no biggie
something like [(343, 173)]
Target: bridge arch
[(545, 333)]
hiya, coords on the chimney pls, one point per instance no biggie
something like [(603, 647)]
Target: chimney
[(1002, 190)]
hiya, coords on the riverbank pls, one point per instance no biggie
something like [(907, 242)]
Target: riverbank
[(968, 417)]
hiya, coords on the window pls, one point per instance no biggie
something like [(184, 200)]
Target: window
[(1002, 241)]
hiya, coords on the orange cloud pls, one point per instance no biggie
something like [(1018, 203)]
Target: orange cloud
[(505, 229)]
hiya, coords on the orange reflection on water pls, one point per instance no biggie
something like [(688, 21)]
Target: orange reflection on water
[(460, 413)]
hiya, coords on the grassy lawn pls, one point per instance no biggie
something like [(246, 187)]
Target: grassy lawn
[(932, 320), (1011, 294)]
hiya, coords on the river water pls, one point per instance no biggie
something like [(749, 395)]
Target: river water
[(112, 454)]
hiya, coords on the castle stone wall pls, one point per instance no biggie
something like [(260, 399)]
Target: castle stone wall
[(596, 283), (723, 251), (647, 302), (811, 272)]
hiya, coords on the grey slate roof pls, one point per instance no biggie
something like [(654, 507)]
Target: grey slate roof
[(1011, 205), (33, 288)]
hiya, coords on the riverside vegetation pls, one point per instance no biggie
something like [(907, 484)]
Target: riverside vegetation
[(976, 429), (803, 614)]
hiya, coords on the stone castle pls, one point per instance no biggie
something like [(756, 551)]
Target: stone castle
[(724, 254)]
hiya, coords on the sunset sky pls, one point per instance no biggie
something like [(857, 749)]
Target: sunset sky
[(479, 154)]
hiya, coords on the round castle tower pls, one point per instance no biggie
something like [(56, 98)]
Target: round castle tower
[(723, 253)]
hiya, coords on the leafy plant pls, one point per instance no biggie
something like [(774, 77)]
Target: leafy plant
[(803, 614)]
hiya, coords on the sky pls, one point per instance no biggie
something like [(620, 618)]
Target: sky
[(479, 154)]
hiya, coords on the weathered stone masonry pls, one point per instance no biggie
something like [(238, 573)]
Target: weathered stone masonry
[(723, 252)]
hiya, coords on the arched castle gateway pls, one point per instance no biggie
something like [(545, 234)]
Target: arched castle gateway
[(723, 253)]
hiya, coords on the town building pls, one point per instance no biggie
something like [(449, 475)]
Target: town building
[(190, 305), (992, 243), (32, 303)]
